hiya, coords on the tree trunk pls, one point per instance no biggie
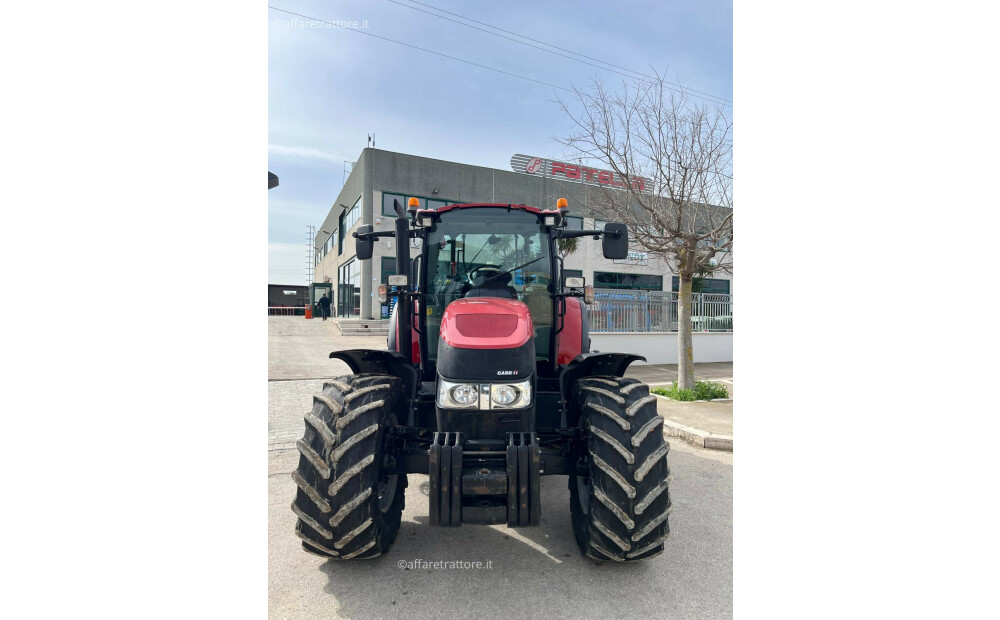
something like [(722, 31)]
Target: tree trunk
[(685, 349)]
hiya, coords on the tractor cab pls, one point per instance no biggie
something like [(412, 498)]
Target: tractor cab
[(488, 253)]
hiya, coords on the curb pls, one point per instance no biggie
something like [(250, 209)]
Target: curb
[(696, 436)]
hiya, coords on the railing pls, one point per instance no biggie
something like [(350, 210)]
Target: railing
[(617, 310), (286, 311)]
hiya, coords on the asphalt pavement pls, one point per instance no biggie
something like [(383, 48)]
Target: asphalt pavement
[(530, 572)]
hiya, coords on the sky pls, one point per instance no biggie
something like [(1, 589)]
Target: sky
[(330, 86)]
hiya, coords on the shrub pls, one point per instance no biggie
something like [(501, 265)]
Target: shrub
[(707, 390), (703, 390)]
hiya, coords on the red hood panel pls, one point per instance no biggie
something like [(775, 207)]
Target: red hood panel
[(486, 323)]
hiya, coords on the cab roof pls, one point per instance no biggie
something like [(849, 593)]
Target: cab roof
[(474, 205)]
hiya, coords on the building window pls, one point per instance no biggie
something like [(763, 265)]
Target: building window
[(349, 289), (388, 268), (704, 285), (610, 279), (574, 223), (387, 208), (404, 199), (348, 219)]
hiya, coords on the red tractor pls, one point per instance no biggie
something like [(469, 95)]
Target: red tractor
[(488, 384)]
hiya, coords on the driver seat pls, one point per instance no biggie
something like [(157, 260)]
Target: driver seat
[(496, 287)]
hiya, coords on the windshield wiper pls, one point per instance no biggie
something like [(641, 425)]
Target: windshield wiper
[(468, 265)]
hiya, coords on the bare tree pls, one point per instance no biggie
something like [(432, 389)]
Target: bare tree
[(673, 160)]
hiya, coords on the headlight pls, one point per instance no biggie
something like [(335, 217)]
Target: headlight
[(504, 394), (511, 395), (457, 395), (464, 394)]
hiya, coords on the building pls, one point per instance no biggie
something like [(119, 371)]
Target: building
[(379, 177), (279, 295)]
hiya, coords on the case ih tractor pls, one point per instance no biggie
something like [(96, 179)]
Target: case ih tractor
[(487, 385)]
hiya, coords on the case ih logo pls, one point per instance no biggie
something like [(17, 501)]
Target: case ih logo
[(565, 171), (504, 373)]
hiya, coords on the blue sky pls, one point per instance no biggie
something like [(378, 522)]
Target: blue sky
[(328, 88)]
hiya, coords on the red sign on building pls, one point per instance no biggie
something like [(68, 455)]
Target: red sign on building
[(565, 171)]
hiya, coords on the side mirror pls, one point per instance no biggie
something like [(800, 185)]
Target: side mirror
[(365, 246), (615, 240)]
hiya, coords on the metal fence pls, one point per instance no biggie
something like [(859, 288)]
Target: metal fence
[(616, 310), (286, 311)]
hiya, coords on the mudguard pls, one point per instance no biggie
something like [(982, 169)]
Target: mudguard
[(385, 362)]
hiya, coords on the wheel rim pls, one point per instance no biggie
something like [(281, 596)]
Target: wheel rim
[(387, 492)]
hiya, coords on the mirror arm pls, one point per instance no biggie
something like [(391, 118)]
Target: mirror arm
[(570, 234), (386, 233), (373, 234)]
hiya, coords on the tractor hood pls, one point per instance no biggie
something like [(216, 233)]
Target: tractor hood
[(486, 323), (486, 339)]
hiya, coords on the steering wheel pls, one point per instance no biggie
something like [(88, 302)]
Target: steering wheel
[(485, 271)]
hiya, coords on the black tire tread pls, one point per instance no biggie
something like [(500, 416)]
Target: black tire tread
[(629, 496), (340, 451)]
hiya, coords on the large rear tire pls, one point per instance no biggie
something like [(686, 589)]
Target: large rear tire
[(347, 508), (620, 508)]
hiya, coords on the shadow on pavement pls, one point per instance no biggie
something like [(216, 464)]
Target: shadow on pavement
[(537, 571)]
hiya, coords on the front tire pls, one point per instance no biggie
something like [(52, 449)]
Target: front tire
[(620, 508), (347, 508)]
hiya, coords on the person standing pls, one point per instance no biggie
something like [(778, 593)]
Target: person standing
[(324, 305)]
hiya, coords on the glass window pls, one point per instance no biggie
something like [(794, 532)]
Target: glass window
[(704, 285), (574, 223), (490, 253), (349, 289), (424, 203), (353, 214), (388, 268), (348, 219), (599, 224), (387, 208), (610, 279)]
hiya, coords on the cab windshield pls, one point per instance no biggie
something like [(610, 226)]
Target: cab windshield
[(489, 252)]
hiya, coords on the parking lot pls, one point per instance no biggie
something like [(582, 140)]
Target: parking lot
[(528, 572)]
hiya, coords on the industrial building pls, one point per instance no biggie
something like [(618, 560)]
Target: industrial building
[(379, 177)]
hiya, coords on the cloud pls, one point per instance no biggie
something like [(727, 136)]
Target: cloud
[(303, 152)]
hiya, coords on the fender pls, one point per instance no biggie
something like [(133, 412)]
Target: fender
[(385, 362), (612, 364)]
